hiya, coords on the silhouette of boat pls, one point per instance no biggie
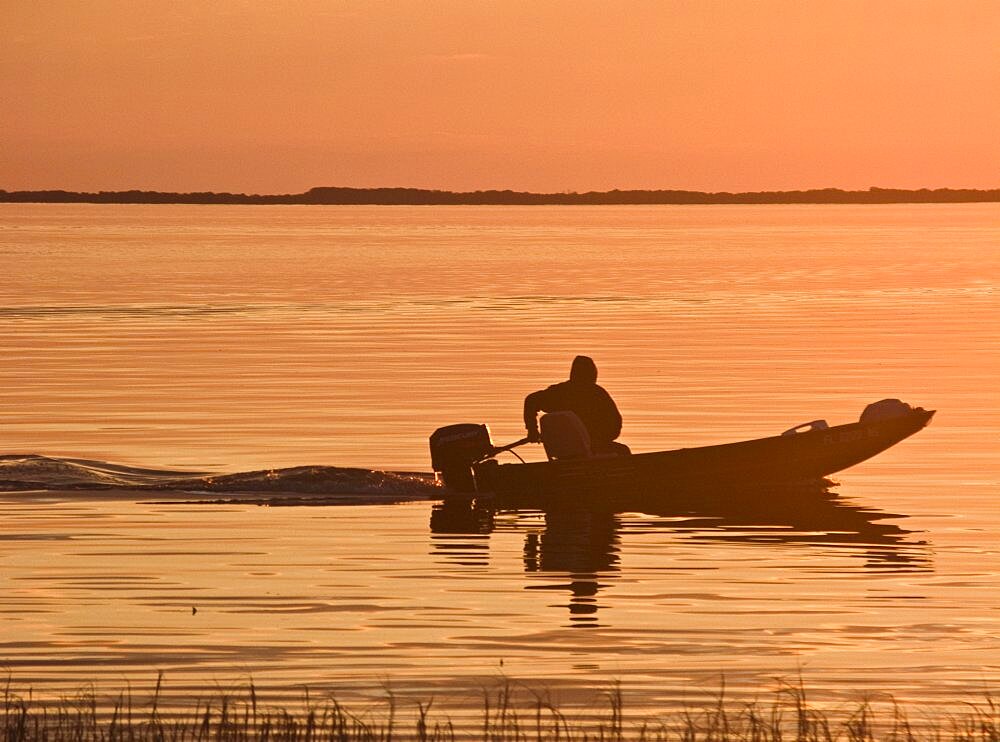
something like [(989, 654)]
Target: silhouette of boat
[(465, 461)]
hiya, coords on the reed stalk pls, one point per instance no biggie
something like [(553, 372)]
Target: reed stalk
[(509, 713)]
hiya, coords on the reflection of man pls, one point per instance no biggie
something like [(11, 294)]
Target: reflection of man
[(581, 395), (579, 545)]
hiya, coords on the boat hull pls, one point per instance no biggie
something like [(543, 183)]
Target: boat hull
[(800, 457)]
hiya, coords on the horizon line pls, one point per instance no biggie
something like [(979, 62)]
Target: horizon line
[(403, 195)]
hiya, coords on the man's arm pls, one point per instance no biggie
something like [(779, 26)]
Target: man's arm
[(533, 404)]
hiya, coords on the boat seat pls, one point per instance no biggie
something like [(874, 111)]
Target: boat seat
[(564, 436)]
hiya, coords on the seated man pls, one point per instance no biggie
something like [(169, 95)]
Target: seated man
[(580, 395)]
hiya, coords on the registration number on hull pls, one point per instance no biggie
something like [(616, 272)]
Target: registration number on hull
[(848, 436)]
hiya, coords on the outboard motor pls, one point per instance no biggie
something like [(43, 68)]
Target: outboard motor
[(454, 449)]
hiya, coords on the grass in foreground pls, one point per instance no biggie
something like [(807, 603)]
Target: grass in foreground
[(508, 714)]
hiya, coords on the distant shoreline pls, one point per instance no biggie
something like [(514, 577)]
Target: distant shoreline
[(425, 197)]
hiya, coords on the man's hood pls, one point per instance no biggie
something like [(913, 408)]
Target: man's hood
[(583, 370)]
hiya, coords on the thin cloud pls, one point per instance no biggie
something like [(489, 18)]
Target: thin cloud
[(459, 57)]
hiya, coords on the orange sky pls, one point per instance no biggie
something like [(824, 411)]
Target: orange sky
[(268, 96)]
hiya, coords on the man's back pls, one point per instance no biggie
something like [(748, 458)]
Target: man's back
[(591, 403), (581, 395)]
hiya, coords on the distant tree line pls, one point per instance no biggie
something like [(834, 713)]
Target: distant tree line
[(424, 197)]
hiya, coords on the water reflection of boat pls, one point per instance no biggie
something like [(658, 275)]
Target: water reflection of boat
[(578, 545)]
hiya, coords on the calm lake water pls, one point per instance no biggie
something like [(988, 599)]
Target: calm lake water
[(227, 339)]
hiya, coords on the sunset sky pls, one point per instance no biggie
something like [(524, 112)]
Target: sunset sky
[(268, 96)]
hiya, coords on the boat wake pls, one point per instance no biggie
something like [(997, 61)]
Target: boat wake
[(32, 472)]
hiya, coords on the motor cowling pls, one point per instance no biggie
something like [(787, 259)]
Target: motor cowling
[(454, 449)]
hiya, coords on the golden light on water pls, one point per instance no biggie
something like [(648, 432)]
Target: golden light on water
[(233, 339)]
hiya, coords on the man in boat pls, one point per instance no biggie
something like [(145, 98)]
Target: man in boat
[(583, 396)]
